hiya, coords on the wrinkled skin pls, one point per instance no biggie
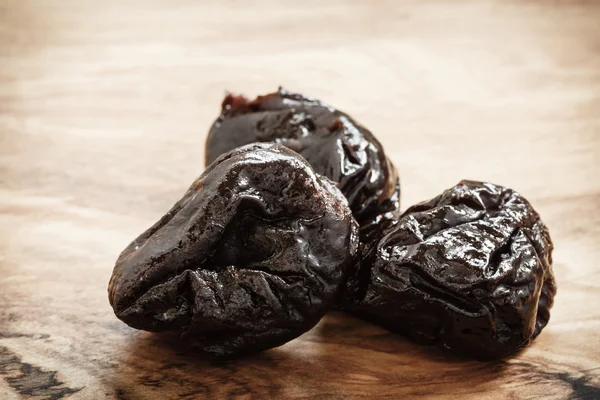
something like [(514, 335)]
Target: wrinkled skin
[(469, 271), (335, 145), (251, 257)]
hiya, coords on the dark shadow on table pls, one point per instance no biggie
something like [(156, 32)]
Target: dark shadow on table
[(341, 356)]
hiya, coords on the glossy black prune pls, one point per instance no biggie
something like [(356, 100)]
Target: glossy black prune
[(470, 271), (252, 256), (334, 144)]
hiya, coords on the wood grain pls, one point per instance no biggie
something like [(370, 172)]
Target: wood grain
[(104, 107)]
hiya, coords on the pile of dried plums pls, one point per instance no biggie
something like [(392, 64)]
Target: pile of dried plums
[(298, 213)]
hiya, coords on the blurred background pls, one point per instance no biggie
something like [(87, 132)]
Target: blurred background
[(104, 108), (123, 93), (451, 89)]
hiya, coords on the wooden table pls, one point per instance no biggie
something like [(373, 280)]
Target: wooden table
[(104, 107)]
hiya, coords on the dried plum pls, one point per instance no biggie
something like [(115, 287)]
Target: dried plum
[(469, 271), (334, 144), (251, 257)]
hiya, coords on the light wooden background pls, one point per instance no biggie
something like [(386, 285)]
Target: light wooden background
[(104, 107)]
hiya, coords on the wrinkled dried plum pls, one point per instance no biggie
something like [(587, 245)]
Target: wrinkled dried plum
[(334, 144), (252, 256), (470, 271)]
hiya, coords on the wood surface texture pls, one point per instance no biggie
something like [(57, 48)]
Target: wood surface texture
[(104, 108)]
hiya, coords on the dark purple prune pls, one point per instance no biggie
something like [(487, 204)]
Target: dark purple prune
[(252, 256), (469, 271), (334, 144)]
